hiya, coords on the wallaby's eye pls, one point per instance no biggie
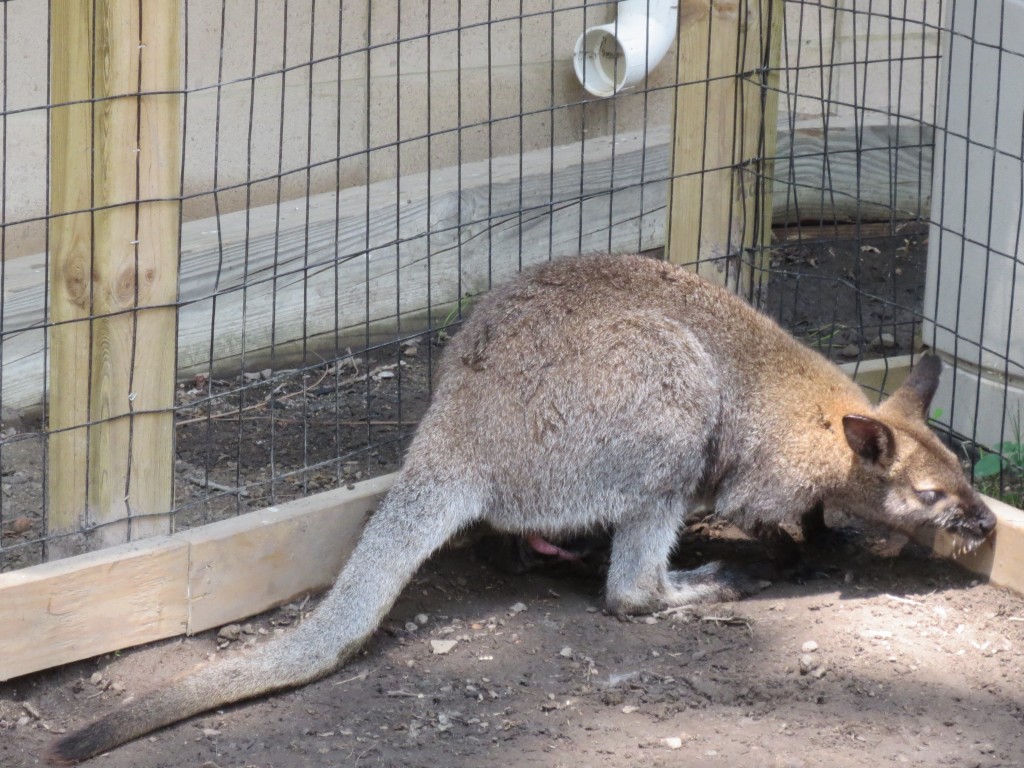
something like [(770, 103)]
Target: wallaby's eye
[(930, 497)]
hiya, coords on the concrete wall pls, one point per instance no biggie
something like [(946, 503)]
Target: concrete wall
[(418, 86), (975, 290)]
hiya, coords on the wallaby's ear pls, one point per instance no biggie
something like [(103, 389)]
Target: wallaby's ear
[(915, 394), (869, 438)]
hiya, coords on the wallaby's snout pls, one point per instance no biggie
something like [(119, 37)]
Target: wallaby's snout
[(974, 522)]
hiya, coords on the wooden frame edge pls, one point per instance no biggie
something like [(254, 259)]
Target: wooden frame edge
[(83, 606)]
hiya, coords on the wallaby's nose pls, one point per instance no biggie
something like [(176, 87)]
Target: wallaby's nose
[(987, 521)]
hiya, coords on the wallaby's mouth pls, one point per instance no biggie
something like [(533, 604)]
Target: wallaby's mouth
[(972, 526)]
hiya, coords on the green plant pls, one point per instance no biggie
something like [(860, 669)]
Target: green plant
[(1000, 472), (1006, 456), (453, 315), (824, 335)]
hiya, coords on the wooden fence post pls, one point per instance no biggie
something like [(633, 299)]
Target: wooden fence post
[(115, 144), (724, 139)]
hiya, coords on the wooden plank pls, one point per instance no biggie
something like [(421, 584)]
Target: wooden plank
[(70, 236), (424, 232), (148, 394), (135, 593), (246, 565), (60, 612), (847, 171), (766, 145), (724, 139), (114, 294)]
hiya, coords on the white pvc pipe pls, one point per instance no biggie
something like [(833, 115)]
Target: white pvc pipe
[(619, 55)]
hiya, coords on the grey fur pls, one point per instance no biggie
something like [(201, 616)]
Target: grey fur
[(611, 392)]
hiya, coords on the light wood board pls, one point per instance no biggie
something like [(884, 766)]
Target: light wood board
[(136, 593), (323, 274)]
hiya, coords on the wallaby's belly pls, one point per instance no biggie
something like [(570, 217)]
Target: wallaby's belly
[(608, 419)]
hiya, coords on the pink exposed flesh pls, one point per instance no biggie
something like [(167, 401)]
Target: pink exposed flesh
[(546, 548)]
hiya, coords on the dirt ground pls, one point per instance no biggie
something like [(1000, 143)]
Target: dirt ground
[(885, 661), (887, 657)]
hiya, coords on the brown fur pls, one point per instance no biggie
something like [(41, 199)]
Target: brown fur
[(607, 392)]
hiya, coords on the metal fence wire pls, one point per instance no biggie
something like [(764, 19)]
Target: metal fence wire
[(236, 236)]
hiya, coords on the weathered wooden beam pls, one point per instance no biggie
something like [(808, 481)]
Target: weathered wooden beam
[(490, 217), (245, 565), (70, 236), (135, 593), (82, 606), (113, 270), (724, 139)]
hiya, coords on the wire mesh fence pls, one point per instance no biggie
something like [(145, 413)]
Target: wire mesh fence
[(348, 176)]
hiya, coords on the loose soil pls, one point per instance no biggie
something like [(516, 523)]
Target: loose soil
[(916, 663), (887, 656)]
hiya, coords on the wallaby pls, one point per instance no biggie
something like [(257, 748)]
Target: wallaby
[(612, 392)]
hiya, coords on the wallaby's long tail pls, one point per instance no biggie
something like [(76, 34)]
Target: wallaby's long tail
[(410, 525)]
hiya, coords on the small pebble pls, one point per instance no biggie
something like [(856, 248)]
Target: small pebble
[(96, 678), (422, 619), (411, 626), (807, 663), (566, 652), (517, 608), (809, 647), (21, 524), (884, 341), (673, 742), (441, 647), (230, 632)]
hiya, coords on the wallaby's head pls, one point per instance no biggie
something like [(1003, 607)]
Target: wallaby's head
[(903, 475)]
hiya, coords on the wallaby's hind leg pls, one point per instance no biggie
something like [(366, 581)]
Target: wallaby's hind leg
[(639, 580)]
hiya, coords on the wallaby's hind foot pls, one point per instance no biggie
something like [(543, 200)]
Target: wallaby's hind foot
[(639, 580), (714, 582)]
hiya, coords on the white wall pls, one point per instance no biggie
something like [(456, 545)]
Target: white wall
[(480, 85), (975, 288)]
